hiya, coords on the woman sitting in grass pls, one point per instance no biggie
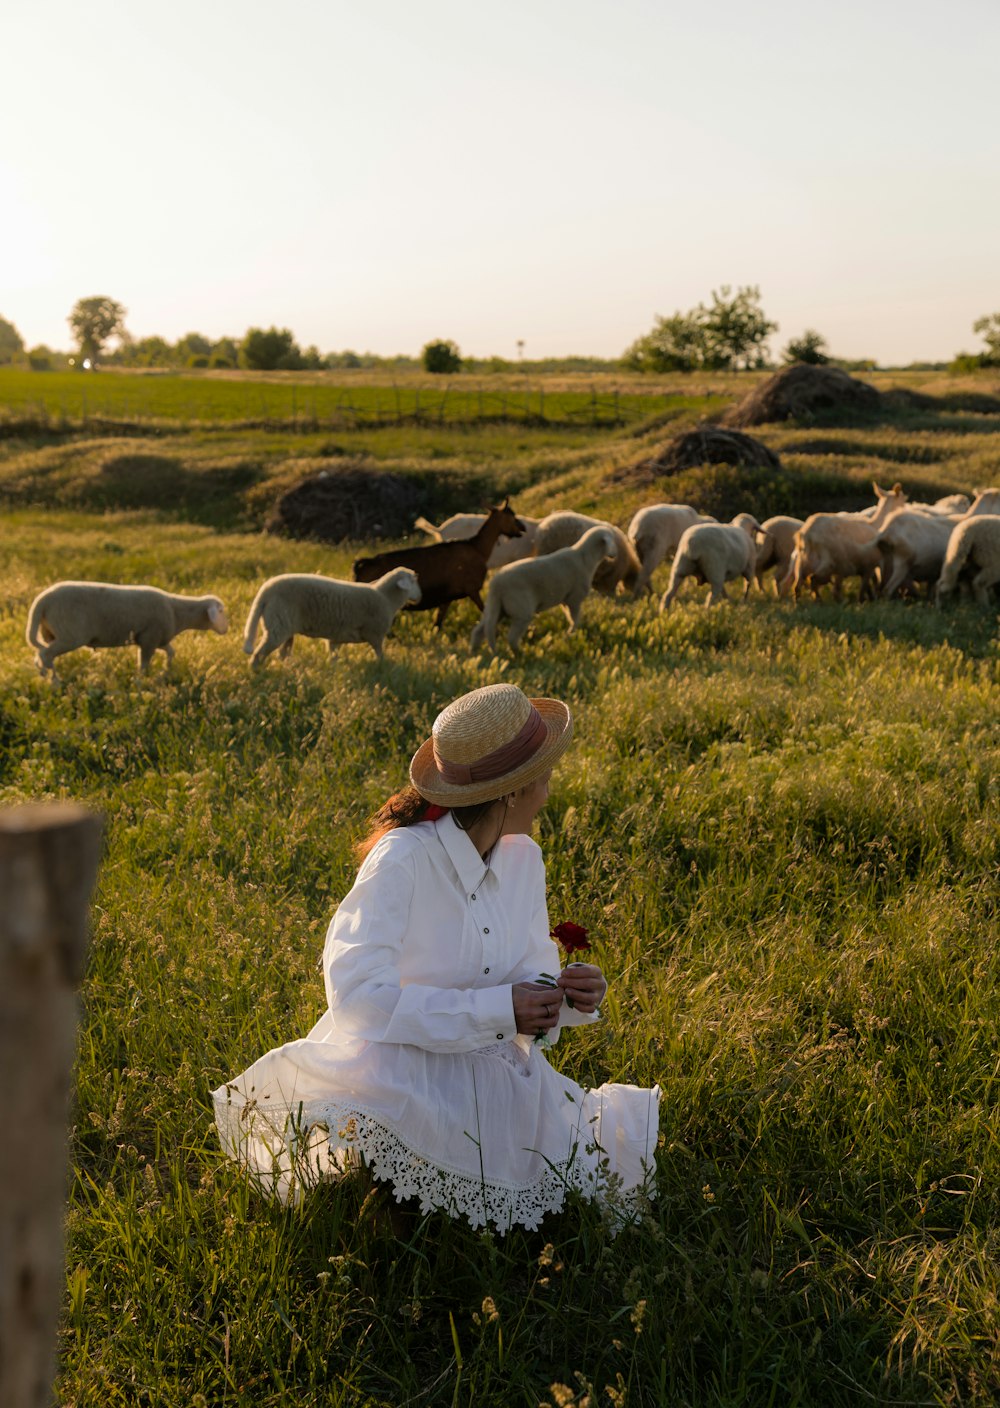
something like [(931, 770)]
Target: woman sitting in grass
[(444, 989)]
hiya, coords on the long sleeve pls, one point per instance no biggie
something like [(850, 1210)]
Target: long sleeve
[(544, 956), (368, 994)]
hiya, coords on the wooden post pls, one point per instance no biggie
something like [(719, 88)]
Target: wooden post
[(48, 862)]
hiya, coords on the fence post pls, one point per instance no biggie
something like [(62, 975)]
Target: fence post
[(48, 861)]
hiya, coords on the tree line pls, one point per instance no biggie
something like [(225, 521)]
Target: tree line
[(730, 333)]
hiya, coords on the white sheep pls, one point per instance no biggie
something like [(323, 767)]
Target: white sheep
[(776, 551), (69, 615), (974, 543), (564, 528), (305, 604), (464, 525), (715, 553), (912, 547), (654, 532), (560, 578), (835, 546)]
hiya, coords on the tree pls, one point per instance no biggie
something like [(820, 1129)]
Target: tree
[(673, 345), (11, 341), (441, 357), (811, 347), (734, 329), (988, 328), (272, 350), (192, 344), (730, 333), (94, 321)]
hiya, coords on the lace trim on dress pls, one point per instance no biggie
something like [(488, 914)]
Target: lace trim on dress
[(289, 1159)]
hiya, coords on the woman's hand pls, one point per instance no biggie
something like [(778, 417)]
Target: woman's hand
[(584, 984), (536, 1007)]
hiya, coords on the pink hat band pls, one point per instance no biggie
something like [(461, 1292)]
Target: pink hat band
[(504, 759)]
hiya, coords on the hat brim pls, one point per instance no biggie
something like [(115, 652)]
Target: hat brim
[(428, 781)]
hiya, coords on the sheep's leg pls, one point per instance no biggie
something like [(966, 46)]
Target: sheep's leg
[(474, 596), (168, 650), (146, 653), (45, 655), (442, 613), (981, 584), (331, 646), (748, 578), (717, 593), (267, 645), (516, 631), (376, 643), (285, 650), (573, 609)]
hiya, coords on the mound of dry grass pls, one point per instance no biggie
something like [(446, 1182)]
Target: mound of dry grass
[(347, 501), (706, 444), (804, 393)]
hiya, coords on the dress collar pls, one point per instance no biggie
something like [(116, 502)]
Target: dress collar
[(469, 865)]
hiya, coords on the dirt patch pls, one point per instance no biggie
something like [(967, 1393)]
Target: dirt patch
[(347, 501), (805, 393), (706, 444)]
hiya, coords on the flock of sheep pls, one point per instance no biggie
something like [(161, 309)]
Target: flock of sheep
[(891, 547)]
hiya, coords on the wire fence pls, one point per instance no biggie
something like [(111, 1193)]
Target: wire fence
[(108, 401)]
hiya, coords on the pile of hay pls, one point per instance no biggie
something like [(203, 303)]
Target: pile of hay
[(347, 502), (805, 393), (706, 444)]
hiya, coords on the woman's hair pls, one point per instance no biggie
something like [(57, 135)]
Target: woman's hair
[(406, 808)]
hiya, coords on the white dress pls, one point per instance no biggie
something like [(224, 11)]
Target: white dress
[(417, 1066)]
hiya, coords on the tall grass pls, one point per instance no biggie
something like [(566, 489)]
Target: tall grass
[(782, 827)]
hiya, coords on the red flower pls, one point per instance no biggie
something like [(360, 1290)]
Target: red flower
[(573, 937)]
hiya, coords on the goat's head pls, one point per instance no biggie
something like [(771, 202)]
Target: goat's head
[(510, 525)]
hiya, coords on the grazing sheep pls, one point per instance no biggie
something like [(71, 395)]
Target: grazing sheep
[(952, 505), (912, 547), (835, 546), (462, 525), (560, 578), (304, 604), (715, 553), (446, 572), (974, 544), (986, 501), (69, 615), (655, 532), (777, 550), (564, 528)]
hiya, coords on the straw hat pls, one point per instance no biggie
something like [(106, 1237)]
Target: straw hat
[(489, 742)]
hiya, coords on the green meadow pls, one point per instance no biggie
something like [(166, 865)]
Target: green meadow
[(780, 823)]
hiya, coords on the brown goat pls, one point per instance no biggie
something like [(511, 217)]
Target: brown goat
[(446, 572)]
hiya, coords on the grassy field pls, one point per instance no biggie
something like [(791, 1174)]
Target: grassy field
[(780, 823)]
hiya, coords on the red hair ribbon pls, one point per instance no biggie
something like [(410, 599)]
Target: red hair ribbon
[(434, 812)]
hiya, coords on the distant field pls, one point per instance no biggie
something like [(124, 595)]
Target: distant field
[(185, 399)]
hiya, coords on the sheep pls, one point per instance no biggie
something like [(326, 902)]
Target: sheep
[(715, 553), (833, 546), (974, 543), (446, 572), (69, 615), (564, 528), (655, 532), (305, 604), (462, 525), (560, 578), (912, 548), (777, 550)]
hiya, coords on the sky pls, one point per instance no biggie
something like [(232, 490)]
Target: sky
[(373, 176)]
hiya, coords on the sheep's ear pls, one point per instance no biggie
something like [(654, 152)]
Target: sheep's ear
[(897, 488), (880, 493)]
